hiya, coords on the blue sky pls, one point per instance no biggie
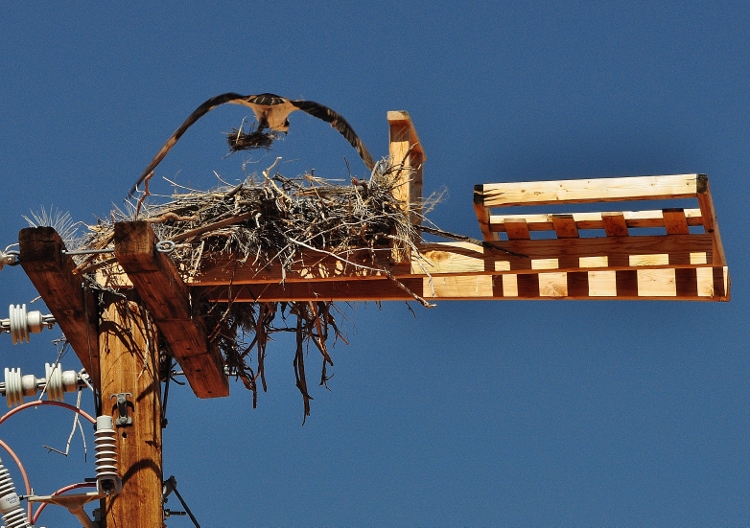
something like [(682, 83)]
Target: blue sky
[(471, 413)]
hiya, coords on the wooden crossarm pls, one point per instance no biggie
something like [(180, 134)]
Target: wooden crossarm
[(167, 298), (74, 307)]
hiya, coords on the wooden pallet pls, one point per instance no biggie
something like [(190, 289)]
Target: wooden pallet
[(653, 253)]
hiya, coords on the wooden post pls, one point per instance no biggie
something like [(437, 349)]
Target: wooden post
[(129, 364), (407, 156)]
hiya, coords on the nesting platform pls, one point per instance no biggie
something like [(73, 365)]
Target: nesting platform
[(666, 253), (665, 250)]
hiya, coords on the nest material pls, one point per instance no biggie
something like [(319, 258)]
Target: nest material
[(275, 220), (238, 139)]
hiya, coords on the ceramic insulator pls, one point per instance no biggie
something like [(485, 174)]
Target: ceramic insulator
[(105, 445), (10, 504)]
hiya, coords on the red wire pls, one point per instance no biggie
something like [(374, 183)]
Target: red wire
[(36, 403), (59, 492), (18, 461)]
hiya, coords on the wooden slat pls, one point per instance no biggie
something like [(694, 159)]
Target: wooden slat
[(223, 269), (632, 219), (587, 190), (73, 306), (517, 229), (647, 283), (464, 258), (167, 299), (675, 222), (565, 226), (615, 225)]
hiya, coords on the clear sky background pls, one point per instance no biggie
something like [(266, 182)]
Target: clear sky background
[(469, 414)]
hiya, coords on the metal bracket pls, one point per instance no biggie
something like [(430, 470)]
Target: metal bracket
[(122, 409)]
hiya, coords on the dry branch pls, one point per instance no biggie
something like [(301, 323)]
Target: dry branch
[(280, 221)]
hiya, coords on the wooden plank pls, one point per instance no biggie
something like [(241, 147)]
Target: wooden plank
[(615, 224), (675, 222), (565, 226), (168, 300), (709, 219), (465, 258), (405, 150), (73, 306), (485, 221), (629, 284), (370, 290), (588, 190), (130, 364), (631, 219), (407, 155), (311, 265), (517, 229)]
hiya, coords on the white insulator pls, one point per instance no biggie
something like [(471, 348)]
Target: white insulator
[(19, 330), (70, 380), (57, 383), (6, 258), (105, 446), (22, 323), (30, 384), (55, 389), (10, 504), (13, 387)]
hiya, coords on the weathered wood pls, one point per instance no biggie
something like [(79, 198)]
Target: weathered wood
[(167, 298), (129, 364), (587, 190), (73, 306)]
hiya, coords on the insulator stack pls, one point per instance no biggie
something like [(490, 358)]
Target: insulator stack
[(57, 382), (105, 445), (10, 504)]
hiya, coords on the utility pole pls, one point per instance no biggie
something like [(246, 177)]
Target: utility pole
[(131, 392), (677, 255)]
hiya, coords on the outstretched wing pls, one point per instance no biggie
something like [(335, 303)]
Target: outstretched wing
[(192, 118), (340, 124)]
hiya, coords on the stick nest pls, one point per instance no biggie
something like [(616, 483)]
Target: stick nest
[(273, 220)]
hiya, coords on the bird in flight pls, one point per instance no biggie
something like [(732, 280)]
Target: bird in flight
[(272, 112)]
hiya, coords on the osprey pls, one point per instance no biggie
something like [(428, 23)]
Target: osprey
[(271, 111)]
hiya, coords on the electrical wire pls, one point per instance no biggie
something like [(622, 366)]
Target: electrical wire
[(60, 492), (47, 402)]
